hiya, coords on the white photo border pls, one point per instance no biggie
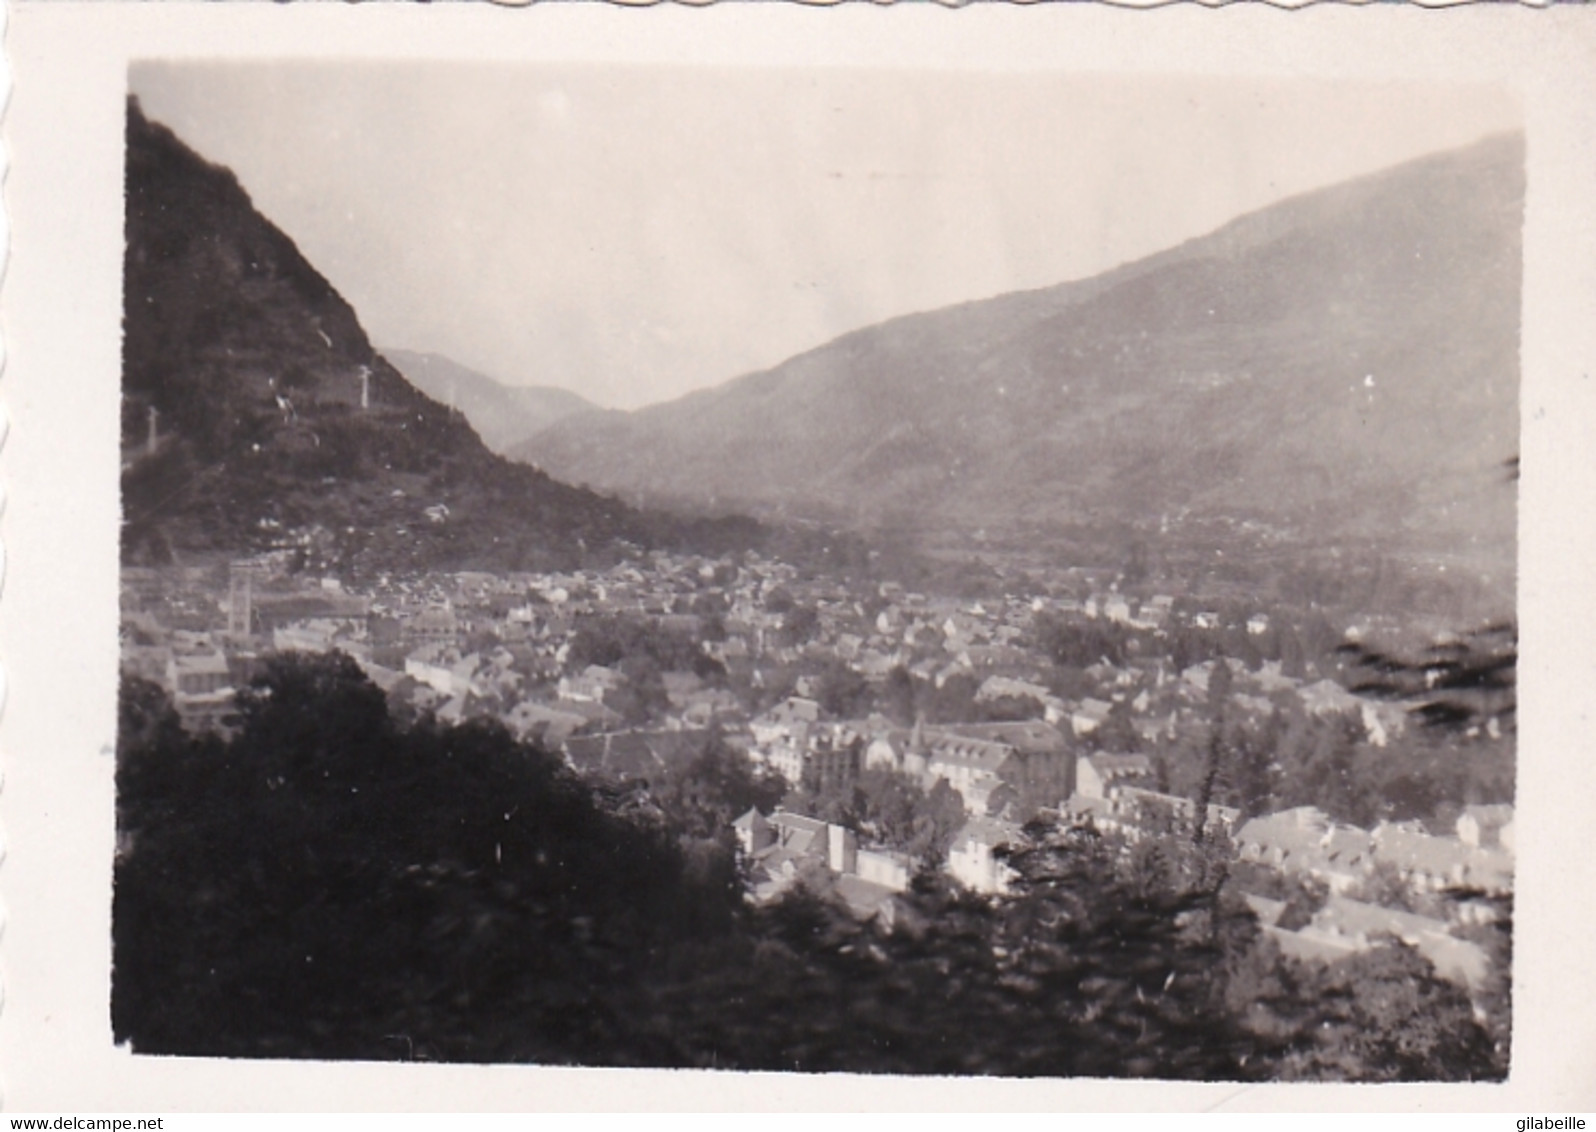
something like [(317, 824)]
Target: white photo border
[(61, 309)]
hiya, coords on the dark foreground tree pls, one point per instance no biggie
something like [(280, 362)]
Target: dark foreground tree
[(704, 795), (1384, 1015), (329, 885)]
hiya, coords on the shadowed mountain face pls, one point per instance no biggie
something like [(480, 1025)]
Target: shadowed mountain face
[(503, 415), (276, 422), (1340, 365)]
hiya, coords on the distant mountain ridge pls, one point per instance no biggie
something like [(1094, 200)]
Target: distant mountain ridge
[(256, 413), (1342, 364), (503, 415)]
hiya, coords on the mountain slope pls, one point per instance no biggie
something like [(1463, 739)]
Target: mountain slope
[(503, 415), (254, 368), (1341, 364)]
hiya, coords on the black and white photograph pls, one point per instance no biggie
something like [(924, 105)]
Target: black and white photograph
[(818, 569), (770, 572)]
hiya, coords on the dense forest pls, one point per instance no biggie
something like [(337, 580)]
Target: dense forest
[(334, 883)]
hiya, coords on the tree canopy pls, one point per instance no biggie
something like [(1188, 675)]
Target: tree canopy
[(333, 882)]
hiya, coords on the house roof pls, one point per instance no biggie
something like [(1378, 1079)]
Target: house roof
[(1267, 910), (634, 753), (1185, 806), (777, 862), (995, 686), (1343, 926), (1300, 825), (679, 684), (1328, 696), (1028, 736), (797, 836), (958, 750), (863, 897), (753, 819), (1448, 857), (1346, 846), (1345, 916), (591, 712), (794, 709), (384, 678), (991, 656), (1311, 945), (1459, 960), (797, 823), (557, 725), (212, 663), (1118, 766), (1308, 839), (1198, 675)]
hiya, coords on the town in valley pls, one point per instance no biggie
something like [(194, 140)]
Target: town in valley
[(1111, 678), (1062, 695)]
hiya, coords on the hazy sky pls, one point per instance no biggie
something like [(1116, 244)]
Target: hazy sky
[(634, 233)]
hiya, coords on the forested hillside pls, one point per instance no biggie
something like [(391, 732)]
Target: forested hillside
[(1337, 367), (256, 413)]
